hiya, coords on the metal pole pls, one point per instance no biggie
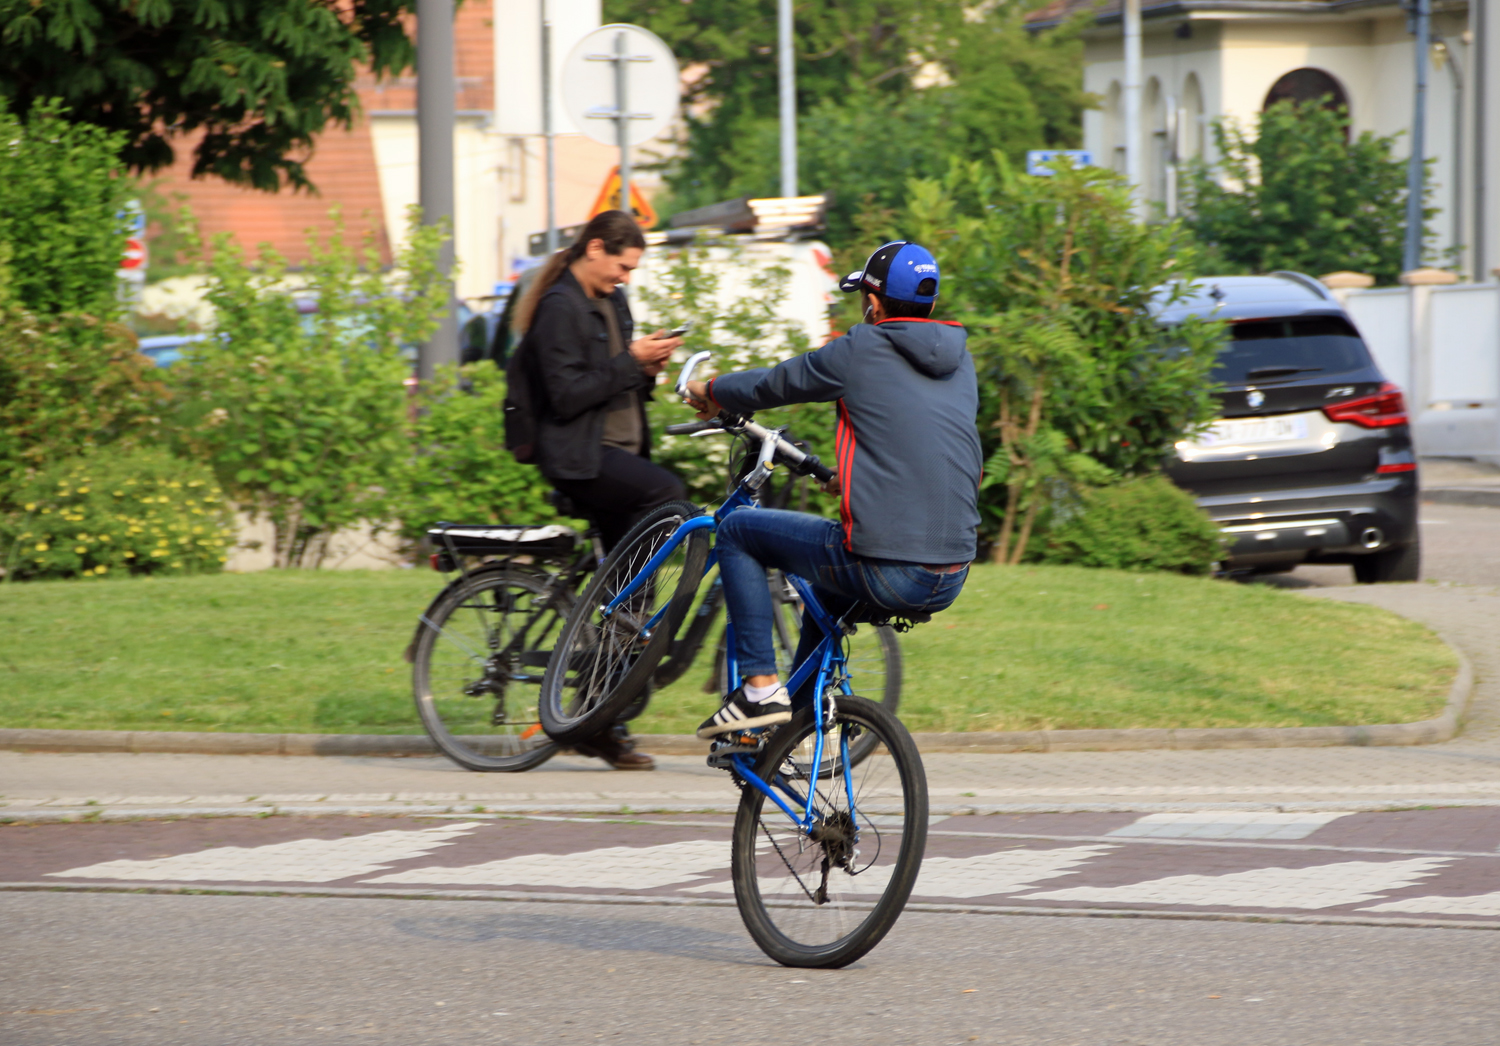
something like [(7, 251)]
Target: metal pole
[(1131, 95), (1411, 256), (435, 120), (622, 116), (548, 138), (787, 75), (1482, 140)]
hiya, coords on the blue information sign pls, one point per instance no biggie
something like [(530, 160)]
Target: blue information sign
[(1036, 159)]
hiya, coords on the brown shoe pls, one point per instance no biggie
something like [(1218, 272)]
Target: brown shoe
[(617, 748)]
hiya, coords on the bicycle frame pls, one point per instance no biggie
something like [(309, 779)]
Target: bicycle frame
[(818, 665)]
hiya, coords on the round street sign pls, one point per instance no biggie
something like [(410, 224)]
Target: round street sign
[(135, 254), (653, 85)]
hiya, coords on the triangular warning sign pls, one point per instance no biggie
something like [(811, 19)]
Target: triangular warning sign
[(609, 200)]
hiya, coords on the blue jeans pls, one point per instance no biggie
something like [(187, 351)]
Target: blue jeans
[(750, 540)]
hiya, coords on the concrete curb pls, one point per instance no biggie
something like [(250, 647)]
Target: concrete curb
[(1487, 496), (659, 901), (1427, 731)]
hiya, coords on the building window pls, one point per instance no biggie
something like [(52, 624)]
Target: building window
[(1307, 85)]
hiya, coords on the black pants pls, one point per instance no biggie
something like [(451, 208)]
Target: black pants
[(627, 487)]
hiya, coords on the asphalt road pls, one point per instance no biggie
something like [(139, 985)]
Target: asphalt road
[(96, 968), (1460, 544)]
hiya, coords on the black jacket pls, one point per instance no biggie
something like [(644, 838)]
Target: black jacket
[(575, 378), (908, 453)]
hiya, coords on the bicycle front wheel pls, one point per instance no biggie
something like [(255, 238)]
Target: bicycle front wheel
[(826, 897), (477, 663), (605, 657)]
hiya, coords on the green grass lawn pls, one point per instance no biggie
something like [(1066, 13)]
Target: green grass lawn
[(1023, 648)]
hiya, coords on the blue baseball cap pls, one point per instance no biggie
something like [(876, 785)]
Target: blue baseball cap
[(901, 270)]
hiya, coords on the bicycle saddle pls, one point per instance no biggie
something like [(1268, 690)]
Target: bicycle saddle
[(872, 614), (461, 539)]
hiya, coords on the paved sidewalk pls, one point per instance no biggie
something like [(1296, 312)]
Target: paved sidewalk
[(1463, 771)]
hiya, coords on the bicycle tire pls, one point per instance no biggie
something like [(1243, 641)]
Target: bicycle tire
[(600, 663), (684, 648), (872, 658), (452, 679), (782, 911)]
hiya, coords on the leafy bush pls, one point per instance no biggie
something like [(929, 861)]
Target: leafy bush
[(692, 284), (117, 512), (1142, 524), (1056, 281), (461, 471), (61, 211), (68, 383), (304, 418), (1302, 194)]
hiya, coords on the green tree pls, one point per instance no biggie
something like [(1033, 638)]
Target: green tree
[(1302, 194), (304, 417), (1057, 285), (885, 88), (258, 78)]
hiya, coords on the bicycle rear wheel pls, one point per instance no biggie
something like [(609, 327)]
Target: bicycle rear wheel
[(826, 898), (604, 659), (477, 663)]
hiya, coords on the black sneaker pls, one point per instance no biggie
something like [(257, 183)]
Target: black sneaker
[(740, 713)]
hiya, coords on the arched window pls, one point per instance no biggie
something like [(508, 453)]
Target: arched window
[(1307, 85)]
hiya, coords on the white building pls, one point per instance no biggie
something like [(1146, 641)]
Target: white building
[(1205, 59)]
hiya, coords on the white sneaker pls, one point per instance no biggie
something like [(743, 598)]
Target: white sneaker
[(740, 713)]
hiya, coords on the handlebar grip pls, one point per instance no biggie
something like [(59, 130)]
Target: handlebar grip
[(690, 427), (816, 469)]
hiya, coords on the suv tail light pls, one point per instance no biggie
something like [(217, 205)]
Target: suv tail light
[(1382, 410)]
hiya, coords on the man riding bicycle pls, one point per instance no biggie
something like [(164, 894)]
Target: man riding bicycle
[(908, 470)]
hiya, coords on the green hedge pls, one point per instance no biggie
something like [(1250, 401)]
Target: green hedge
[(1144, 524), (117, 511)]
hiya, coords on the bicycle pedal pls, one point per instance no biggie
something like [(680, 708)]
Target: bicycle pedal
[(721, 752)]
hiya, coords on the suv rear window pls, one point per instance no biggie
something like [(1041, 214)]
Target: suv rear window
[(1283, 350)]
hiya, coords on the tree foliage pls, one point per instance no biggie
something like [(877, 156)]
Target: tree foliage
[(258, 78), (1056, 283), (303, 417), (885, 88), (1302, 194)]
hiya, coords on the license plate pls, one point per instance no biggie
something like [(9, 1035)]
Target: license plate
[(1253, 430)]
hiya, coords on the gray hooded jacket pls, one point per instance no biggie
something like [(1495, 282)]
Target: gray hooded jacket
[(908, 453)]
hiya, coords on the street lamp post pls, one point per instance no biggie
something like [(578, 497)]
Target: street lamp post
[(435, 120), (1411, 256), (787, 81), (1131, 99)]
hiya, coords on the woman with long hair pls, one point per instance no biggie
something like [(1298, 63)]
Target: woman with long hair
[(590, 380)]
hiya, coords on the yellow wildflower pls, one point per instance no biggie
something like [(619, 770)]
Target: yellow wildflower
[(30, 507), (42, 547), (80, 549)]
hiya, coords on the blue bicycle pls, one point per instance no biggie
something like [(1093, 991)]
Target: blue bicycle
[(832, 821)]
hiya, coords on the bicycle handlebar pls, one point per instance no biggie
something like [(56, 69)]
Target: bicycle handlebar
[(796, 459)]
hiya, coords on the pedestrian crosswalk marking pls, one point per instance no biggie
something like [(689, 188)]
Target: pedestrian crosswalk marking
[(611, 868), (982, 876), (298, 861), (1228, 824), (1320, 886), (1475, 904)]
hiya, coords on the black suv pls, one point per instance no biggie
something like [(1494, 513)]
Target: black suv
[(1311, 460)]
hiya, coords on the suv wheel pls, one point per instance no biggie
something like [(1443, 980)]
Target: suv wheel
[(1402, 563)]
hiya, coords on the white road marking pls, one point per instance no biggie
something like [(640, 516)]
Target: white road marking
[(1321, 886), (298, 861), (1228, 824), (614, 867), (1475, 904), (981, 876)]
